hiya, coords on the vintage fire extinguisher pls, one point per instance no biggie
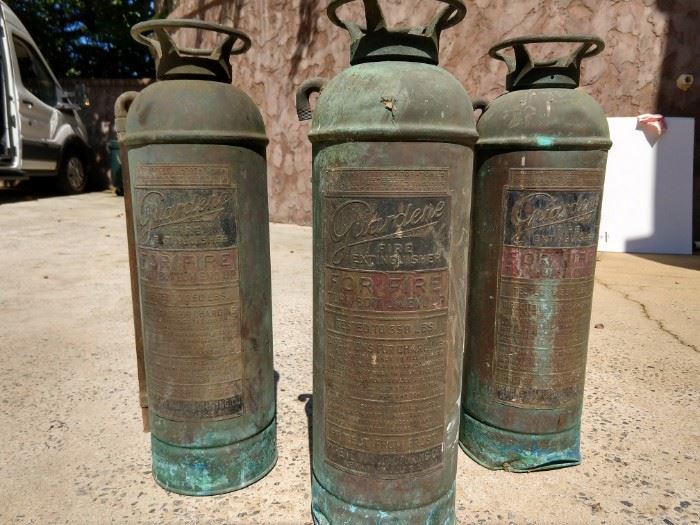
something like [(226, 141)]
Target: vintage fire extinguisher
[(538, 187), (199, 236), (393, 139)]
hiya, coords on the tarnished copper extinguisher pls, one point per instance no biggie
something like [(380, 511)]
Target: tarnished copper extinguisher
[(538, 187), (393, 140), (200, 240)]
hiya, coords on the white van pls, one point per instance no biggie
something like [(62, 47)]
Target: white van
[(40, 130)]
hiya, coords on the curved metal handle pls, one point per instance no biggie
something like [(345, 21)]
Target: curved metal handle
[(448, 16), (313, 85), (121, 109), (590, 46), (480, 104), (163, 42)]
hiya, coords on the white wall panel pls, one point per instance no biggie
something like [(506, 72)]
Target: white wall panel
[(648, 196)]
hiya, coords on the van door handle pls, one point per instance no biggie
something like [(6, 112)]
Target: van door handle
[(28, 103)]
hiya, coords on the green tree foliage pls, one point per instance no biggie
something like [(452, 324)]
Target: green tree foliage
[(89, 38)]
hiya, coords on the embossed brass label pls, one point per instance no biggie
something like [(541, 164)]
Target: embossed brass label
[(545, 286), (386, 286), (551, 218), (188, 270)]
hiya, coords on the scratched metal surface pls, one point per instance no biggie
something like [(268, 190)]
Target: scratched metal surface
[(392, 156), (537, 191), (199, 195)]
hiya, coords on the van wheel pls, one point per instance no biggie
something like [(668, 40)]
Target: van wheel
[(71, 177)]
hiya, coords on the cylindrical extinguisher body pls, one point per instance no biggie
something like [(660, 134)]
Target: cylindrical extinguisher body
[(538, 188), (392, 160), (199, 191)]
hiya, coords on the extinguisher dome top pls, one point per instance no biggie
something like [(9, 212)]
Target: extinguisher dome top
[(544, 119), (194, 112), (176, 63), (393, 101), (563, 72), (374, 41)]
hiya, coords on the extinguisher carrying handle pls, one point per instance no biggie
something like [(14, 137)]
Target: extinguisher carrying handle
[(419, 42), (450, 15), (313, 85), (480, 104), (521, 65), (121, 110), (193, 62)]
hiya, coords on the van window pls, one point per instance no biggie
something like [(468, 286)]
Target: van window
[(35, 77)]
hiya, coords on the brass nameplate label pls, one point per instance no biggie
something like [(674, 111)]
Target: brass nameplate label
[(187, 248), (545, 285), (386, 286)]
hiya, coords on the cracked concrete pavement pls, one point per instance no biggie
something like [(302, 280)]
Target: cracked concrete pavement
[(663, 299), (73, 450)]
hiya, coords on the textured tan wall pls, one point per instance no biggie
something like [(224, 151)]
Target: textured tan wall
[(650, 42)]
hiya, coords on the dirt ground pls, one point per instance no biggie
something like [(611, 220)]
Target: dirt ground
[(70, 431)]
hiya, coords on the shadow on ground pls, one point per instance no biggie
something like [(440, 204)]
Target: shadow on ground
[(32, 190), (308, 401), (690, 262)]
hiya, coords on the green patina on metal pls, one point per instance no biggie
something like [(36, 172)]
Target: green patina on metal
[(328, 509), (200, 471), (538, 188), (201, 266), (495, 448), (393, 139)]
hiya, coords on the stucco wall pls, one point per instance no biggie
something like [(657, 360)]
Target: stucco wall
[(650, 43)]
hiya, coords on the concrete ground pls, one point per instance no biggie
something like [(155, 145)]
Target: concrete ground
[(70, 430)]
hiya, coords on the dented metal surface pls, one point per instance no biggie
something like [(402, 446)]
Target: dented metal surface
[(198, 190), (393, 150), (538, 189)]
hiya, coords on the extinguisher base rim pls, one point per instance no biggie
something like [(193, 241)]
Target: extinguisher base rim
[(327, 509), (498, 449), (214, 470)]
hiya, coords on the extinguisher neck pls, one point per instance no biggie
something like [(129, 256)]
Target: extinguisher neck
[(174, 67), (544, 77), (393, 45)]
